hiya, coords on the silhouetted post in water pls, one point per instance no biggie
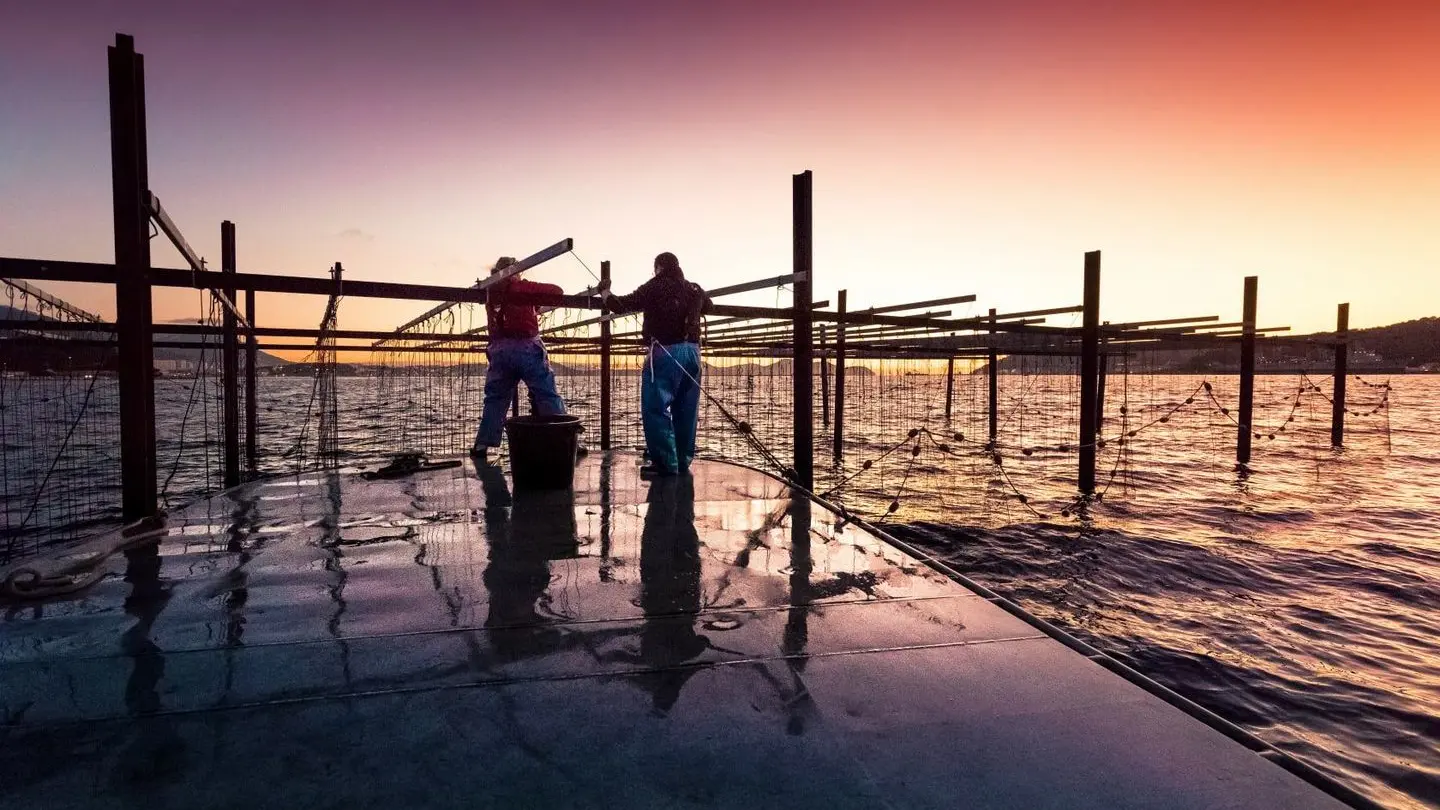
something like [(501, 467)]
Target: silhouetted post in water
[(824, 382), (230, 362), (804, 335), (949, 386), (1247, 373), (605, 348), (840, 377), (994, 369), (1089, 371), (129, 177), (252, 411), (1342, 351), (1100, 387)]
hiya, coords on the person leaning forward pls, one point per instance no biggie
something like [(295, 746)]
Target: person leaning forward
[(515, 353), (673, 309)]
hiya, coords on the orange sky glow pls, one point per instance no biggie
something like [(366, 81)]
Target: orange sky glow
[(957, 148)]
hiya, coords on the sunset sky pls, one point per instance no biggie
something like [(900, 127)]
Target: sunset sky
[(958, 147)]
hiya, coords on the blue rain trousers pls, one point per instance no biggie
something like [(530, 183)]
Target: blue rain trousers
[(670, 404), (513, 360)]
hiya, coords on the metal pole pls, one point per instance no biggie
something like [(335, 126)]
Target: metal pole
[(824, 382), (605, 349), (1089, 371), (840, 378), (129, 182), (994, 373), (252, 410), (804, 336), (1342, 351), (230, 360), (949, 386), (1247, 373)]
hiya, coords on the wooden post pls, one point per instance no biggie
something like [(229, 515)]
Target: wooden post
[(252, 410), (1100, 387), (824, 383), (1342, 351), (1247, 374), (129, 177), (949, 386), (994, 374), (1089, 371), (230, 363), (606, 343), (803, 353), (840, 377)]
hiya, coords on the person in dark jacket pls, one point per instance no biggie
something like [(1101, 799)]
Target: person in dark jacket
[(670, 385), (514, 353)]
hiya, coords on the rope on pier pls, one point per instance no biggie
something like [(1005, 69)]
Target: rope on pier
[(79, 568)]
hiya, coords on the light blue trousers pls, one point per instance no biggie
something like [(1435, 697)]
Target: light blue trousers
[(511, 361), (670, 404)]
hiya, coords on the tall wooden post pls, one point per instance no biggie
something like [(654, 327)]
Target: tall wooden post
[(606, 343), (840, 377), (230, 363), (994, 374), (1089, 371), (949, 386), (824, 382), (803, 353), (129, 178), (252, 409), (1342, 351), (1247, 374)]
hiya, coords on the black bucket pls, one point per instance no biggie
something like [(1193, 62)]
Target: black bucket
[(543, 450)]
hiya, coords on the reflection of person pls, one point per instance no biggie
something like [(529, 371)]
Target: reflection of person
[(515, 352), (516, 577), (670, 386), (670, 588)]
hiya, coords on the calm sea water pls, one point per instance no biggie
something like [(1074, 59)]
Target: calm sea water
[(1300, 599)]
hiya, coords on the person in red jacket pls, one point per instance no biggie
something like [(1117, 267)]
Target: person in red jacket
[(515, 352)]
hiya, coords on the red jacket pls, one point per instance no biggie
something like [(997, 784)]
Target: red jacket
[(515, 320)]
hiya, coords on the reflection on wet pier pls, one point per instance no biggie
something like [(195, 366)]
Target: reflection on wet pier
[(440, 640)]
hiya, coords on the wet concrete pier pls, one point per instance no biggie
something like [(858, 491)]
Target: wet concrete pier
[(439, 641)]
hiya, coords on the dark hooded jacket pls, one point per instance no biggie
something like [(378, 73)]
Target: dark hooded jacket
[(672, 305)]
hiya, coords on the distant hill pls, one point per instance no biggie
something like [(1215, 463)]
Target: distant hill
[(1411, 345), (785, 366), (209, 344), (56, 351)]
